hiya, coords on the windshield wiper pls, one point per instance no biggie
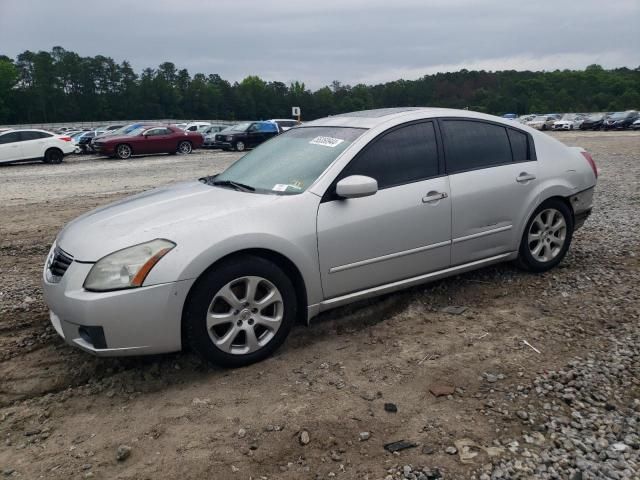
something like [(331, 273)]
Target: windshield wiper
[(238, 186)]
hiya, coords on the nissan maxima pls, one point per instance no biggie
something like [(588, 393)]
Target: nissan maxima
[(333, 211)]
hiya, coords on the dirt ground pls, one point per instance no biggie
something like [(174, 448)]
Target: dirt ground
[(64, 413)]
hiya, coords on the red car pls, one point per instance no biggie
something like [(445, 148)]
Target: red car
[(149, 139)]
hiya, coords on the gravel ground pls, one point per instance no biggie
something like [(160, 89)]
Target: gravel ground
[(341, 395)]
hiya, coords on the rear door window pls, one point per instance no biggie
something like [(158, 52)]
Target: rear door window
[(9, 138), (32, 135), (404, 155), (519, 145), (470, 145)]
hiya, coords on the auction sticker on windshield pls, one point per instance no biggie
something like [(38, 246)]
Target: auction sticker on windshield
[(326, 141)]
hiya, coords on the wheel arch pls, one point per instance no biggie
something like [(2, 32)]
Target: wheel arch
[(49, 149), (282, 261)]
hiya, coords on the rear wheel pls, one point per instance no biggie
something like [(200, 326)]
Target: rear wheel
[(123, 151), (184, 148), (53, 155), (240, 312), (547, 237)]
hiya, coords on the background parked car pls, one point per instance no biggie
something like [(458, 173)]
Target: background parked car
[(542, 122), (32, 144), (209, 134), (620, 120), (593, 121), (635, 125), (196, 126), (569, 121), (144, 140), (246, 135), (84, 141), (285, 124)]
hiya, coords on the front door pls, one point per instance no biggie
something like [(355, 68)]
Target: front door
[(402, 231)]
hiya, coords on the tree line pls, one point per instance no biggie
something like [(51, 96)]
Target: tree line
[(62, 86)]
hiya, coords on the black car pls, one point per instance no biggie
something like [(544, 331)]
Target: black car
[(620, 120), (84, 142), (593, 122), (246, 135)]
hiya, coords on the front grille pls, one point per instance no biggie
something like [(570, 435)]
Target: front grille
[(60, 262)]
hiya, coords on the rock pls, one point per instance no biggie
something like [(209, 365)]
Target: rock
[(442, 390), (242, 433), (451, 450), (123, 452), (428, 450), (364, 436), (335, 456), (8, 471), (454, 310), (491, 378), (304, 438), (390, 407), (399, 445), (522, 415)]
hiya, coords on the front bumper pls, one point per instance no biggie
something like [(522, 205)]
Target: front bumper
[(137, 321)]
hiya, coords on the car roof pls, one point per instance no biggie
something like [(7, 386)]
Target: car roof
[(25, 130), (373, 118)]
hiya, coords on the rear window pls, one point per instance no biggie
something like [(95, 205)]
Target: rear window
[(32, 135), (470, 145)]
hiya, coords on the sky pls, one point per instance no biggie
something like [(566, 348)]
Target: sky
[(317, 42)]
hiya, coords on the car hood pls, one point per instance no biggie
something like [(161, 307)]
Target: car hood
[(169, 212)]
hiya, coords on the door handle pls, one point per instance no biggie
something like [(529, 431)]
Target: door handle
[(525, 177), (434, 197)]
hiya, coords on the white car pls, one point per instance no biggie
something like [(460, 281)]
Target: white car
[(196, 126), (569, 121), (32, 144)]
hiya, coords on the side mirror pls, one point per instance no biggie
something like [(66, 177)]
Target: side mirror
[(356, 186)]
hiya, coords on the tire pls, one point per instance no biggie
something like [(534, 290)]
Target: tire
[(226, 339), (184, 148), (123, 151), (543, 246), (53, 155), (239, 147)]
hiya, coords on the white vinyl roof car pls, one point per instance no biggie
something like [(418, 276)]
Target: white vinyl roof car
[(340, 209), (32, 144)]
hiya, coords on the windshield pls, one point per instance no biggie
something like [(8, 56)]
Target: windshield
[(569, 116), (136, 131), (241, 127), (289, 163), (618, 115), (539, 119)]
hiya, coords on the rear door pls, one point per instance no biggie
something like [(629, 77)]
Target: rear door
[(33, 143), (492, 173), (10, 147)]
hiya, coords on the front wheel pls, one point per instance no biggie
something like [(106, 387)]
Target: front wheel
[(123, 151), (240, 312), (240, 146), (184, 148), (547, 237)]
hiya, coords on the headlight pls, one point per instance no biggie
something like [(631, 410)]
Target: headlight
[(229, 138), (126, 268)]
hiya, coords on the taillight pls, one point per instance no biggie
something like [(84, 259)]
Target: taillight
[(587, 155), (66, 139)]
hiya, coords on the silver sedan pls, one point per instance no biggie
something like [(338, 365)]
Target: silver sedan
[(337, 210)]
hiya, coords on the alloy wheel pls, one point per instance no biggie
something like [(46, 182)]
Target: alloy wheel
[(124, 151), (245, 315), (547, 235)]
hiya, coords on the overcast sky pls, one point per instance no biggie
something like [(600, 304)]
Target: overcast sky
[(353, 41)]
